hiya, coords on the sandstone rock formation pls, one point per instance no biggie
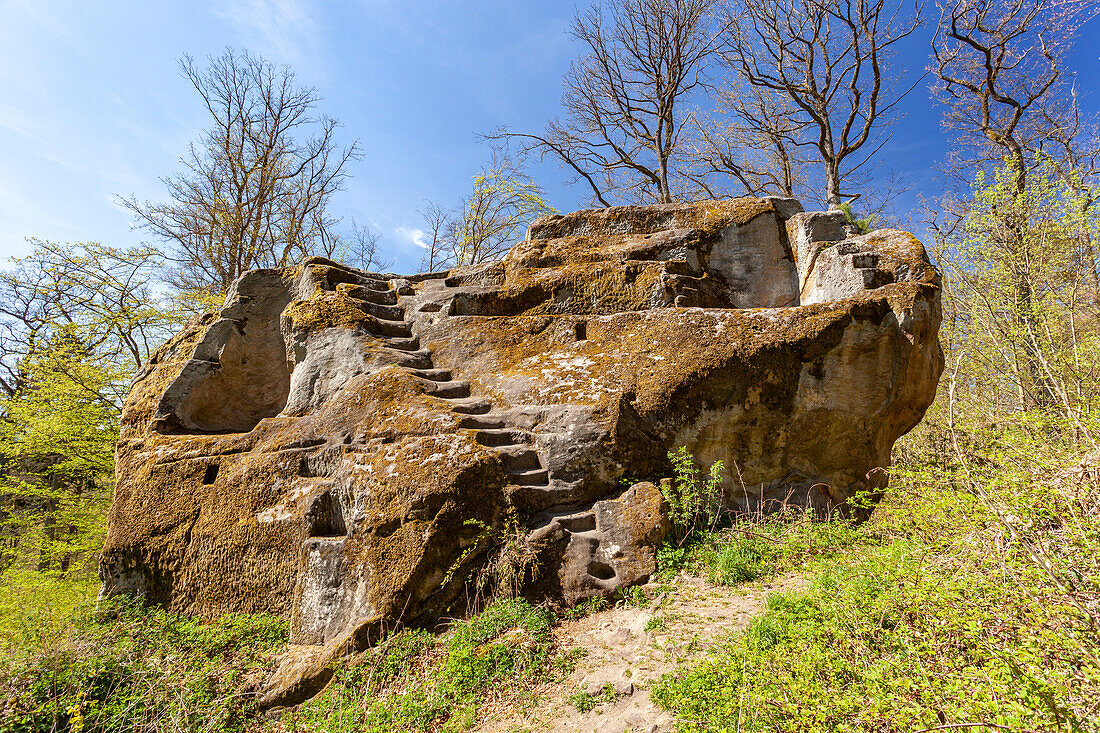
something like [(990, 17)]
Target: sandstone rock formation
[(346, 448)]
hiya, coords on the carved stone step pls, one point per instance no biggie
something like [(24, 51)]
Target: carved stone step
[(411, 359), (488, 421), (534, 477), (406, 344), (374, 283), (434, 375), (519, 458), (497, 438), (390, 329), (472, 406), (538, 498), (381, 297), (450, 390), (384, 312)]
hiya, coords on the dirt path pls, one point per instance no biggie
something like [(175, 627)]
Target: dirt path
[(626, 649)]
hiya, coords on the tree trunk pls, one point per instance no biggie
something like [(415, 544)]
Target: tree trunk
[(832, 185)]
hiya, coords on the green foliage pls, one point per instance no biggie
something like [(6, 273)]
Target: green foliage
[(57, 439), (583, 702), (762, 546), (511, 559), (138, 670), (587, 607), (415, 682), (968, 599), (634, 596), (77, 320), (864, 225), (693, 502), (1020, 294)]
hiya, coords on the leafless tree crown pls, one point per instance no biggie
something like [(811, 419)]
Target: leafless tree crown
[(255, 188), (624, 98), (829, 58), (997, 64)]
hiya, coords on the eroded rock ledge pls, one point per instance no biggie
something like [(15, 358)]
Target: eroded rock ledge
[(333, 444)]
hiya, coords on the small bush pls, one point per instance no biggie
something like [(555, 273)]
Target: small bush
[(694, 502)]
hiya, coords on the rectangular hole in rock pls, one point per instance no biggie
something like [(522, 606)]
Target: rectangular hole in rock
[(581, 331), (326, 517), (211, 474)]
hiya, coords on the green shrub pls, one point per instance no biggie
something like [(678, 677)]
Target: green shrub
[(694, 502)]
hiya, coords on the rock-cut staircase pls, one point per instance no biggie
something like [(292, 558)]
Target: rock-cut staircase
[(524, 467)]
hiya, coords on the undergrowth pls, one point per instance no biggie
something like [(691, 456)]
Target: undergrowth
[(971, 600), (135, 670), (415, 681)]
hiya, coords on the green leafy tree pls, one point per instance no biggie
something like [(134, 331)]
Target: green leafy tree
[(57, 440), (1014, 240), (75, 322)]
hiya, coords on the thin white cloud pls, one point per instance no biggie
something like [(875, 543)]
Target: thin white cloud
[(281, 27), (412, 236)]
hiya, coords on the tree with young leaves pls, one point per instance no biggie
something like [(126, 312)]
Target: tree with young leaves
[(76, 321), (496, 213), (1006, 234), (998, 65)]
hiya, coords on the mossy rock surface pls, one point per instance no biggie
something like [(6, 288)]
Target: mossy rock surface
[(351, 450)]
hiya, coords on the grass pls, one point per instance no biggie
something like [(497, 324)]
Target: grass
[(139, 670), (971, 600), (65, 667), (415, 681)]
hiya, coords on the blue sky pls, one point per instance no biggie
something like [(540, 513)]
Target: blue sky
[(92, 104)]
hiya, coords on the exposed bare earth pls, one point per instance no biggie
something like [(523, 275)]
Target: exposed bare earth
[(684, 620)]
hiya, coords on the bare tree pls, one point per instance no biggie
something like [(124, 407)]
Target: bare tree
[(753, 141), (623, 98), (994, 61), (360, 248), (439, 233), (255, 189), (830, 58), (1063, 135)]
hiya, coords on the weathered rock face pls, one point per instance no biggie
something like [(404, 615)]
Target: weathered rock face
[(341, 447)]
